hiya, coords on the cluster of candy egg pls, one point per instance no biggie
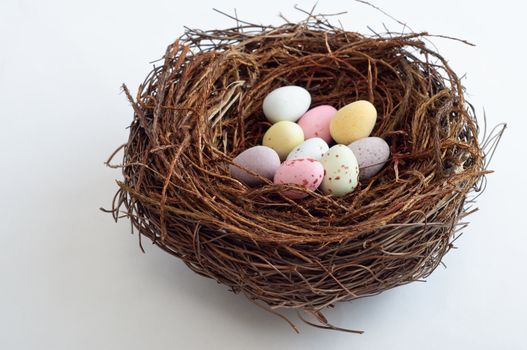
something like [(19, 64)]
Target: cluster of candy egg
[(295, 148)]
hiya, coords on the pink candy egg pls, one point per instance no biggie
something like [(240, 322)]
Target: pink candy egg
[(305, 172), (315, 122)]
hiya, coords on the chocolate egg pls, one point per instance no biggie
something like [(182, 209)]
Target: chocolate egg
[(283, 137), (262, 160), (371, 153), (353, 121), (312, 148), (305, 172), (315, 122), (286, 103), (341, 171)]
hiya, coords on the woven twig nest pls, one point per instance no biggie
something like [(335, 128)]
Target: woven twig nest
[(203, 106)]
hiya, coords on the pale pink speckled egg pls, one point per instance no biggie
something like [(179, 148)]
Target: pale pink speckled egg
[(371, 153), (315, 122), (305, 172)]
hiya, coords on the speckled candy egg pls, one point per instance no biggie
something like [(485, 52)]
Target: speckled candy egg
[(341, 171), (305, 172), (312, 148), (283, 137), (286, 103), (262, 160), (371, 153), (352, 122), (315, 122)]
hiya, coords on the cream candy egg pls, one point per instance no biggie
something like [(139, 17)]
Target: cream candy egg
[(371, 153), (341, 171), (312, 148), (283, 137), (315, 122), (286, 103), (305, 172), (353, 121), (261, 160)]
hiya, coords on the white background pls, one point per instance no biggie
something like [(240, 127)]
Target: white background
[(70, 278)]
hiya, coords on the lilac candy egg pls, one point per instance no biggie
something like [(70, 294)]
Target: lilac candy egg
[(305, 172), (371, 153), (315, 122), (262, 160)]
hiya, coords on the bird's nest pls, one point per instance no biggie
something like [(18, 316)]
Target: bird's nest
[(203, 105)]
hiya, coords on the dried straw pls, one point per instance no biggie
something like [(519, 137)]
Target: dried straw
[(203, 106)]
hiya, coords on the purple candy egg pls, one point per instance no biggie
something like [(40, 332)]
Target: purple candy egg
[(261, 160)]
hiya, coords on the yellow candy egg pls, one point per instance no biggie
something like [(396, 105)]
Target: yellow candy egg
[(353, 121), (283, 137)]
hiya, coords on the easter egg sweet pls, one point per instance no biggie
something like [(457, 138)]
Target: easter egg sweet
[(371, 153), (305, 172), (286, 103), (352, 122), (312, 148), (262, 160), (283, 137), (341, 171), (315, 122)]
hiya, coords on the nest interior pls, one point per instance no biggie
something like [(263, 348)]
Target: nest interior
[(203, 105)]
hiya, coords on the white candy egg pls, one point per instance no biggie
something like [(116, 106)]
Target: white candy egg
[(313, 148), (341, 171), (287, 103)]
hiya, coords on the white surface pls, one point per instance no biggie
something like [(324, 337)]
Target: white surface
[(70, 278)]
